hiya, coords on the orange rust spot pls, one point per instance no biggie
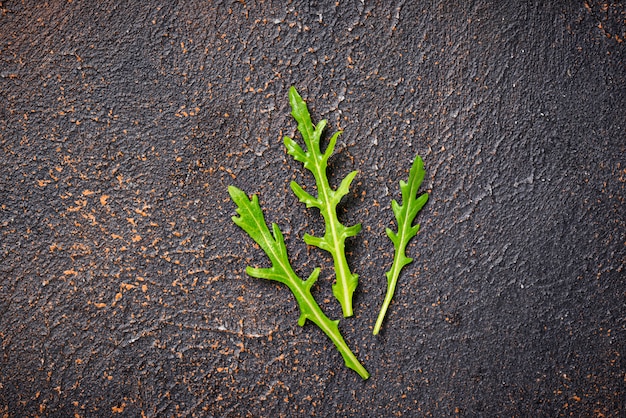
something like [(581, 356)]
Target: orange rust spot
[(118, 409), (142, 212), (127, 286), (80, 204), (91, 217)]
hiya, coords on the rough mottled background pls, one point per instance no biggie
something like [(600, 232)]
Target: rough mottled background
[(122, 288)]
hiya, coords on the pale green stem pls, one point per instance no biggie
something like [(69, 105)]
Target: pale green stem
[(392, 280)]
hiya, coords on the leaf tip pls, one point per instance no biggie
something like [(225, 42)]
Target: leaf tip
[(294, 97), (233, 191), (313, 277)]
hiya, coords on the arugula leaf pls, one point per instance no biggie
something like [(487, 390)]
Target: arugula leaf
[(405, 215), (252, 221), (327, 200)]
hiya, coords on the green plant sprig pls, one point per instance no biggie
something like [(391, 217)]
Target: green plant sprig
[(252, 221), (327, 200), (405, 215)]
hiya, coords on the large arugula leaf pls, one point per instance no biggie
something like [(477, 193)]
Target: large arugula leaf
[(252, 221), (327, 200)]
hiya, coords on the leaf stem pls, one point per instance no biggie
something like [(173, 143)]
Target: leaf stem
[(392, 280)]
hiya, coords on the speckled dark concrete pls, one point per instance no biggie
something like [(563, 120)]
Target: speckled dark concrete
[(122, 289)]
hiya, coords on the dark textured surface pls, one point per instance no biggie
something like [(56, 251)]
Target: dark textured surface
[(121, 275)]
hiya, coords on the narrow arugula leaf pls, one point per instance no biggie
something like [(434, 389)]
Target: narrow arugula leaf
[(327, 200), (405, 215), (252, 221)]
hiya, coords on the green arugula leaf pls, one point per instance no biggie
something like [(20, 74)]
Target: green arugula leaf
[(327, 200), (252, 221), (405, 215)]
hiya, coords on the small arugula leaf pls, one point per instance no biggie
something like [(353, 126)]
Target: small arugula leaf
[(405, 215), (315, 161), (252, 221)]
